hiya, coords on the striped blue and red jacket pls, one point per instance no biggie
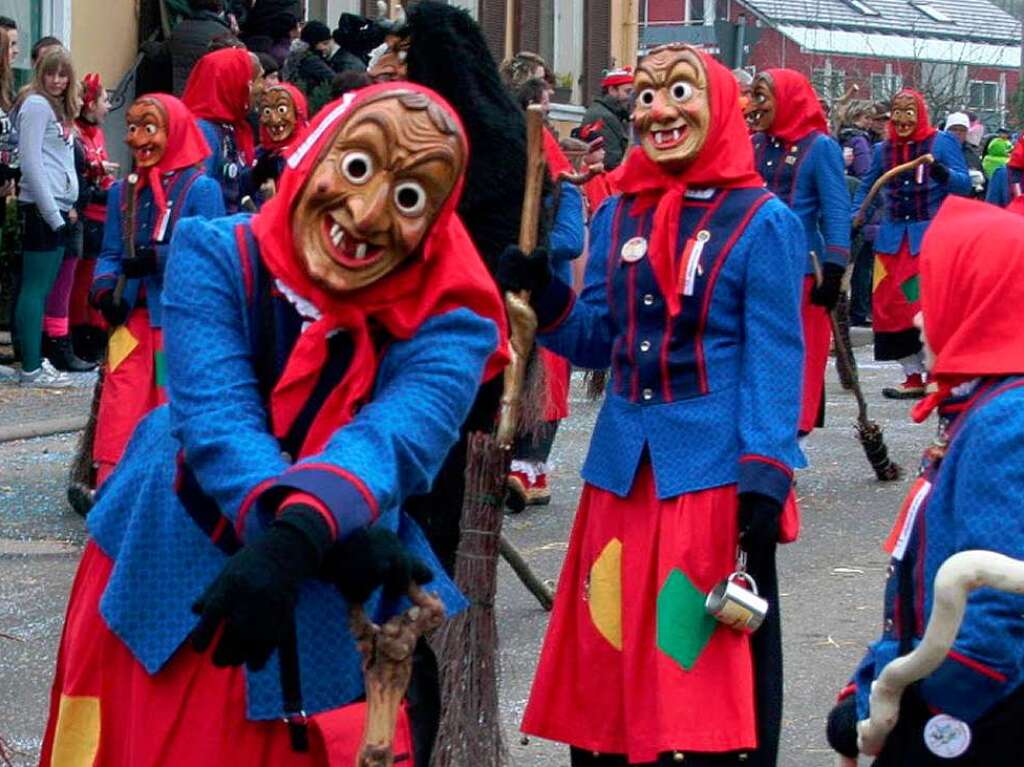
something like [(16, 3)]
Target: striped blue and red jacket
[(808, 176), (911, 199), (712, 394)]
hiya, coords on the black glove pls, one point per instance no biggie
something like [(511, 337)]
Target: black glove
[(255, 594), (142, 264), (827, 293), (759, 522), (517, 271), (371, 558), (265, 169), (939, 172), (63, 231), (115, 312), (841, 730)]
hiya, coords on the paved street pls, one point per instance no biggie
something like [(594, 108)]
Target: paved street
[(831, 578)]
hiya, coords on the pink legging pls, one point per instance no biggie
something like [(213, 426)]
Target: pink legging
[(55, 321)]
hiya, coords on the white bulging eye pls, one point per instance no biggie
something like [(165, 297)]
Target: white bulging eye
[(410, 198), (682, 91), (267, 111), (357, 167), (646, 97), (282, 109), (151, 129)]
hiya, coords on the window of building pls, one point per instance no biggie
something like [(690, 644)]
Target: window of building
[(885, 86), (829, 83), (982, 95), (861, 7), (933, 12), (673, 11)]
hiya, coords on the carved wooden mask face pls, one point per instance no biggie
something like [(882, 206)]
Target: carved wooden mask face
[(760, 113), (390, 65), (672, 113), (147, 132), (376, 190), (904, 115), (277, 114)]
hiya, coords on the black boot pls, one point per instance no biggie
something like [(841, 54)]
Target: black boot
[(62, 356)]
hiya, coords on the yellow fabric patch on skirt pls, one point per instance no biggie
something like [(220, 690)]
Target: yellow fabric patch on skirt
[(879, 275), (122, 343), (605, 593), (77, 737)]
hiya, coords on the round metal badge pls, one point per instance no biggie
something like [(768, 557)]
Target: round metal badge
[(634, 249), (947, 737)]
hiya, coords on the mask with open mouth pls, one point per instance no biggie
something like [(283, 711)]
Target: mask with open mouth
[(281, 115), (672, 114), (147, 131), (904, 115), (760, 113), (376, 190)]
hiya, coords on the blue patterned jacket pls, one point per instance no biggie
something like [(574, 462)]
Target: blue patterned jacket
[(226, 165), (212, 447), (714, 394), (189, 193), (972, 501), (809, 177), (1005, 185), (912, 199)]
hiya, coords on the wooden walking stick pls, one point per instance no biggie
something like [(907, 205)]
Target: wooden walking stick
[(868, 432), (470, 728), (884, 179)]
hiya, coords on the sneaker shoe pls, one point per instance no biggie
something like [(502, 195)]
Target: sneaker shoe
[(538, 493), (911, 388), (45, 377), (518, 484)]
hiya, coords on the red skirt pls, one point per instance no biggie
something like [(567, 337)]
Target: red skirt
[(106, 710), (817, 337), (896, 297), (80, 311), (557, 372), (133, 384), (631, 663)]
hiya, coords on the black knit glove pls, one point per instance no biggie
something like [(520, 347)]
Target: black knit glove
[(142, 264), (827, 293), (265, 169), (518, 271), (114, 311), (939, 172), (254, 596), (759, 522), (841, 730), (370, 558)]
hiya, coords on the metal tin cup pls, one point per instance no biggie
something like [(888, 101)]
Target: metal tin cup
[(735, 603)]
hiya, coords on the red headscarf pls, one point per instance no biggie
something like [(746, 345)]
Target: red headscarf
[(186, 147), (301, 119), (726, 161), (445, 274), (924, 128), (218, 90), (1017, 155), (797, 109), (972, 295)]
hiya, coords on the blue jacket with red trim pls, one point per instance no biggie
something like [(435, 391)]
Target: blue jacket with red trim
[(911, 199), (1004, 186), (189, 193), (712, 395), (809, 177), (226, 164), (973, 501), (212, 448)]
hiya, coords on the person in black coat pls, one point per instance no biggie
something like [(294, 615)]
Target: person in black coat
[(189, 41)]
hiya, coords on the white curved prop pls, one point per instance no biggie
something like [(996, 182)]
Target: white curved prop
[(959, 575)]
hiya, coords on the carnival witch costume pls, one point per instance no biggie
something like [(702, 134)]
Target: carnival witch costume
[(1005, 186), (321, 357), (283, 115), (966, 713), (691, 297), (803, 165), (167, 185)]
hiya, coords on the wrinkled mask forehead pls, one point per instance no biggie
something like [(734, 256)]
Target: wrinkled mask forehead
[(375, 190), (672, 113), (147, 131), (904, 114)]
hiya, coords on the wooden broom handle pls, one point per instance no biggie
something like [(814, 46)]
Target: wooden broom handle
[(535, 167), (884, 179)]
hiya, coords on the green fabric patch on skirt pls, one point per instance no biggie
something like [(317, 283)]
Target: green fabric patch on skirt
[(684, 628), (160, 365)]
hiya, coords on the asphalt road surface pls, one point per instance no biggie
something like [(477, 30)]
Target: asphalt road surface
[(831, 579)]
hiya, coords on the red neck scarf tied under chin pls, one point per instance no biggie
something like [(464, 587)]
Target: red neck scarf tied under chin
[(444, 274), (798, 112), (726, 161), (218, 90), (924, 129), (186, 148), (972, 295), (301, 120)]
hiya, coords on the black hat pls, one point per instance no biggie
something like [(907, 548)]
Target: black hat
[(315, 32)]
